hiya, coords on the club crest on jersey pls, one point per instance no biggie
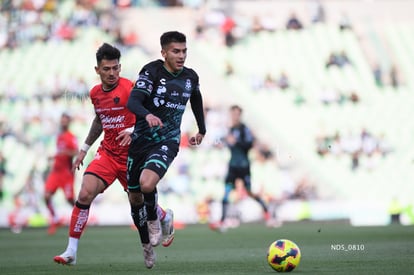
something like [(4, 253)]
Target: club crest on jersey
[(116, 100), (161, 90), (164, 148), (158, 102), (140, 84), (188, 84)]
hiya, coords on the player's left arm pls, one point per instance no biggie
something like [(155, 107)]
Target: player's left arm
[(196, 101), (95, 131)]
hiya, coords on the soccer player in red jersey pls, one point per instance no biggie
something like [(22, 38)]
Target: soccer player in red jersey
[(61, 174), (110, 163)]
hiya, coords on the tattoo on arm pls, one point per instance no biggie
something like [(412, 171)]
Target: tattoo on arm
[(95, 131)]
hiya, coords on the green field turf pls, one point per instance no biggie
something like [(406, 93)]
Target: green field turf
[(198, 250)]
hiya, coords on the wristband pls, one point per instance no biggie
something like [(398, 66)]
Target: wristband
[(85, 147), (130, 129)]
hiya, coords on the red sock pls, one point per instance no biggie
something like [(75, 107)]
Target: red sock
[(80, 214)]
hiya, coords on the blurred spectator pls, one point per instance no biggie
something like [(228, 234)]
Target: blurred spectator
[(317, 11), (64, 31), (2, 174), (322, 145), (22, 22), (106, 22), (199, 29), (353, 97), (4, 130), (377, 72), (293, 22), (340, 59), (256, 25), (126, 3), (354, 160), (227, 28), (229, 70), (77, 88), (345, 22), (283, 81), (269, 82), (369, 143), (166, 3), (83, 15), (384, 147), (330, 96), (364, 144), (264, 152), (299, 98), (331, 61), (334, 144), (26, 202), (304, 189), (130, 39), (394, 77)]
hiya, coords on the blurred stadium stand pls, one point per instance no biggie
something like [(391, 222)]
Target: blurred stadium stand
[(382, 33)]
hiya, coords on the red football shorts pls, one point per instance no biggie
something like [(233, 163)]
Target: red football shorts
[(108, 169), (61, 179)]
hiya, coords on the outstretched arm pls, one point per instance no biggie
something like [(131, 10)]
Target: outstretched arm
[(94, 132)]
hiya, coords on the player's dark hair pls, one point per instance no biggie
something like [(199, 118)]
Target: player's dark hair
[(172, 36), (107, 52), (236, 107), (67, 115)]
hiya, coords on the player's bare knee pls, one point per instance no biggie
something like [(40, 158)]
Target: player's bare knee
[(86, 197), (147, 187)]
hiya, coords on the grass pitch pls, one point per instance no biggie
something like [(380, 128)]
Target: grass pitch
[(327, 248)]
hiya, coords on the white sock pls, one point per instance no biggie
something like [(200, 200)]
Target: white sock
[(159, 213), (73, 244)]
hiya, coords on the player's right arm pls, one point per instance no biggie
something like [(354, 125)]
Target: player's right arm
[(94, 132), (135, 105), (141, 90)]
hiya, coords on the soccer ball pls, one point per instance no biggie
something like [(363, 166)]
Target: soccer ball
[(283, 255)]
